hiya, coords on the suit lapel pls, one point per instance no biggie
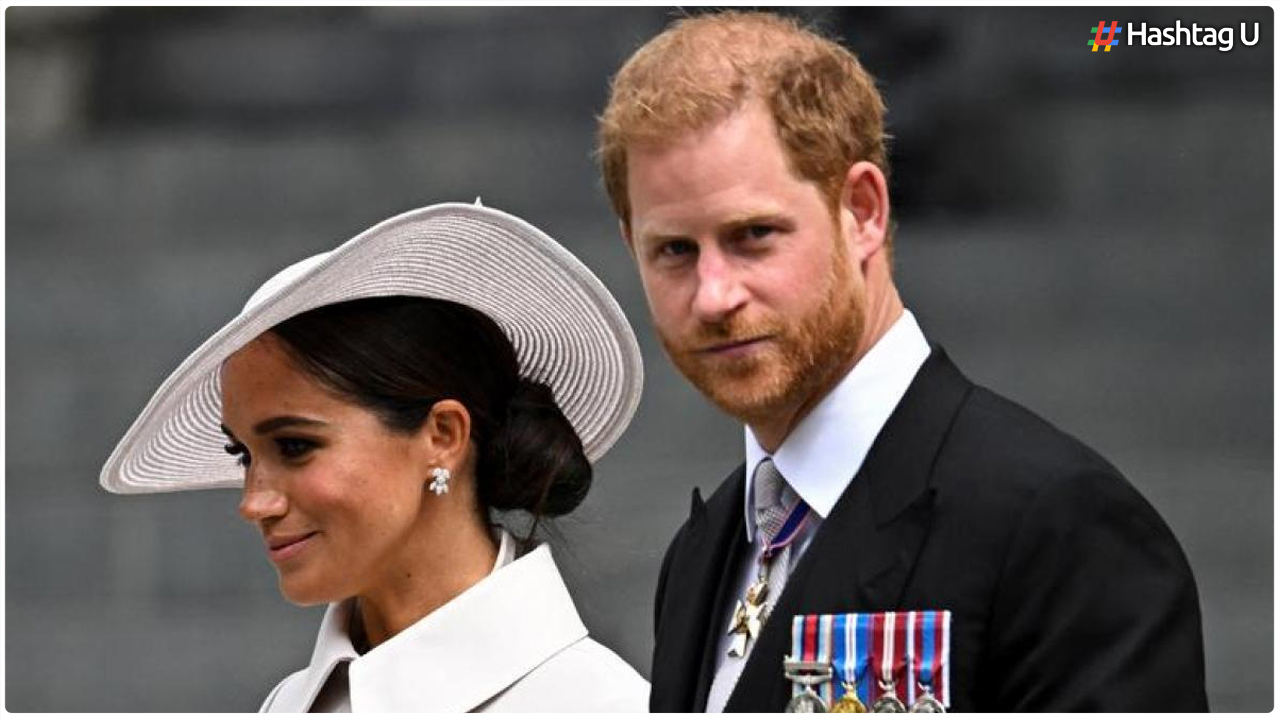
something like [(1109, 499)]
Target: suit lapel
[(703, 571), (861, 558)]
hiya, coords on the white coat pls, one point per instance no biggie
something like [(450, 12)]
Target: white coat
[(512, 642)]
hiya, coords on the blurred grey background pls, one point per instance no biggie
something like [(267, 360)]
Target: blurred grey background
[(1088, 233)]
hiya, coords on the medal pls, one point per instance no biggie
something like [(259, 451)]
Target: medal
[(849, 702), (888, 702), (889, 658), (849, 657), (806, 673), (751, 612), (931, 643), (748, 617), (832, 640), (880, 662), (927, 703), (806, 702)]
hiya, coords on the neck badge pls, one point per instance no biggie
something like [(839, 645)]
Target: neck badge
[(751, 611)]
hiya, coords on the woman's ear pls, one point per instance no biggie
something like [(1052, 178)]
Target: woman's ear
[(446, 433)]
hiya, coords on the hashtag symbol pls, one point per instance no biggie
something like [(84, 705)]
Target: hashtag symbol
[(1111, 36)]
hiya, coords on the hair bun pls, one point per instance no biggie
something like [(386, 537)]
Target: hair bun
[(535, 462)]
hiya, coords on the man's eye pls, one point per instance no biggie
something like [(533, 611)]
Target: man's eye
[(758, 232), (676, 248), (239, 451), (294, 448)]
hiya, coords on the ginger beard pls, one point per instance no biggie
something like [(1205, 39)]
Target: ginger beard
[(801, 359)]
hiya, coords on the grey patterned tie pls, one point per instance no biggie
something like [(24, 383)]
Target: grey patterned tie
[(774, 500)]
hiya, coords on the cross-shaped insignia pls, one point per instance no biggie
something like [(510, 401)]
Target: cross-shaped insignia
[(748, 616)]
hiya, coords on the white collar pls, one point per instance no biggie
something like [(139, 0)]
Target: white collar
[(463, 653), (823, 453)]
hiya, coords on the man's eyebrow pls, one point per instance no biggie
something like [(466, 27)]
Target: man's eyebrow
[(735, 222), (277, 422), (655, 238), (762, 218)]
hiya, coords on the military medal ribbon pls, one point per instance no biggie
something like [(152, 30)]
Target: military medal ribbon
[(930, 662), (890, 661), (791, 527)]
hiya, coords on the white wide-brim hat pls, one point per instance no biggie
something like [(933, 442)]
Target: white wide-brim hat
[(567, 330)]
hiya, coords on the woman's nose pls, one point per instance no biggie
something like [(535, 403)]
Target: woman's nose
[(260, 502)]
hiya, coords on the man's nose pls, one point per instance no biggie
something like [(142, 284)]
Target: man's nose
[(720, 290), (260, 500)]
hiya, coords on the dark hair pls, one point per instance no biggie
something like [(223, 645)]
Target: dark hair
[(398, 356)]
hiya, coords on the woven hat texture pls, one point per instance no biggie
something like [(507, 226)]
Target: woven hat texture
[(567, 330)]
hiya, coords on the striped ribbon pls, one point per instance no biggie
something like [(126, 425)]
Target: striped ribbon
[(910, 648), (791, 527)]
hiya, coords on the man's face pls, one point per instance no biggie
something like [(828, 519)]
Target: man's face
[(749, 280)]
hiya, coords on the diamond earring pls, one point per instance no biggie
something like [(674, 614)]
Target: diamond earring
[(440, 481)]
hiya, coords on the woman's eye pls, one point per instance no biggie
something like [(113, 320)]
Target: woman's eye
[(239, 451), (294, 448)]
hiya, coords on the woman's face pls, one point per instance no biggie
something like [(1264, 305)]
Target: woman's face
[(335, 493)]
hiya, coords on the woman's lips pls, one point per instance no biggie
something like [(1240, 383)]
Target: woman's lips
[(285, 548)]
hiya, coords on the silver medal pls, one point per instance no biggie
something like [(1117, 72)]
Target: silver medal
[(888, 702), (927, 703), (808, 674), (806, 702)]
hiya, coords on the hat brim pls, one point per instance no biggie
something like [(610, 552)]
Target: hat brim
[(567, 330)]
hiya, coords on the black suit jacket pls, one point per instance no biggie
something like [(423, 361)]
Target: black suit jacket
[(1067, 590)]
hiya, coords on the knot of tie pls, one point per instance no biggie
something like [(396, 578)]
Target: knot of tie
[(774, 499)]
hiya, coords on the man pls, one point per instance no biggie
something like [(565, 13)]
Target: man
[(898, 537)]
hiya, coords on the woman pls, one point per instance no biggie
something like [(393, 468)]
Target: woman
[(376, 403)]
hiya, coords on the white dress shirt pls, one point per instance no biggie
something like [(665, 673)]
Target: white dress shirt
[(820, 458), (512, 642)]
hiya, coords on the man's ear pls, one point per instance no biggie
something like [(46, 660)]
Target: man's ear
[(864, 209), (624, 229)]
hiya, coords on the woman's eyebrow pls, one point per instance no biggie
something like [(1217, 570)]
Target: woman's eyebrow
[(281, 421), (275, 423)]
